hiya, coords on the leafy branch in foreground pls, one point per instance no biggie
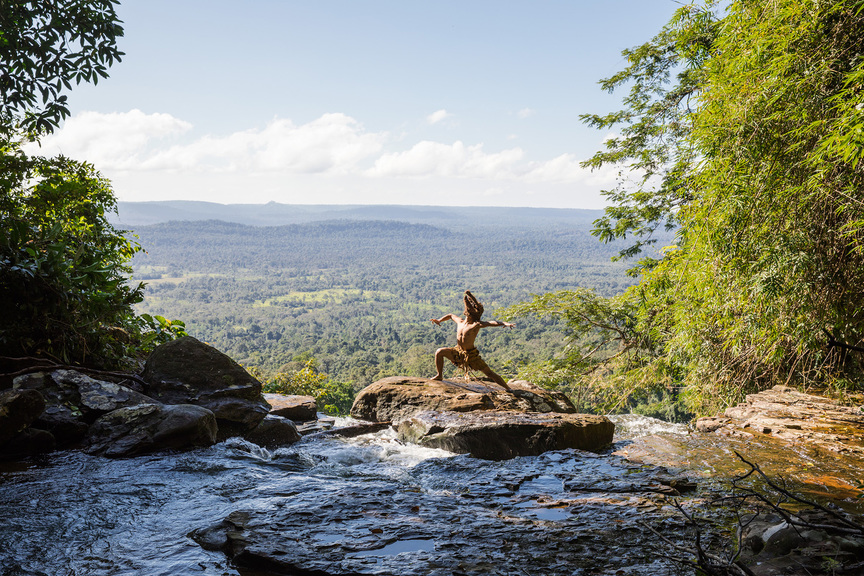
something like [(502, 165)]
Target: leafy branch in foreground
[(44, 47), (603, 365)]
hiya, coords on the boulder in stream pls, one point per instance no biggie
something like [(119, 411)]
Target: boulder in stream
[(399, 397), (274, 431), (498, 435), (186, 371), (151, 427)]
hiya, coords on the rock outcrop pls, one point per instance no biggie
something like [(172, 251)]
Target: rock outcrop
[(786, 414), (400, 397), (294, 407), (74, 400), (186, 371), (480, 418), (499, 434)]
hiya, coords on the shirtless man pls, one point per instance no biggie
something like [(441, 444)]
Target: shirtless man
[(464, 354)]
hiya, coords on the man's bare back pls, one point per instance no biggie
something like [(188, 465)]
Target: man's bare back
[(465, 354)]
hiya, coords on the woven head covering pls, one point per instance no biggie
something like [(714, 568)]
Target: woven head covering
[(473, 307)]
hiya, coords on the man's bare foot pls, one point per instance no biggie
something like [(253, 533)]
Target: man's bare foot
[(438, 377)]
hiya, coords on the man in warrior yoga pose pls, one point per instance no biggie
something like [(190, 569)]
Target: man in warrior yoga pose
[(464, 354)]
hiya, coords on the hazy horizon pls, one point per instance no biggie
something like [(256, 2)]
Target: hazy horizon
[(338, 102)]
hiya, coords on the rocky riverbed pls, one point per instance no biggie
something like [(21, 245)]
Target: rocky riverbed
[(374, 505)]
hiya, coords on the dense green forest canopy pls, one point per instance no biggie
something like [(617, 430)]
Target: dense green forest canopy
[(357, 295), (744, 128)]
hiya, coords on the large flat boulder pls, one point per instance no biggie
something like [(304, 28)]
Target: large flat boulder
[(186, 371), (786, 414), (147, 428), (399, 397), (499, 435)]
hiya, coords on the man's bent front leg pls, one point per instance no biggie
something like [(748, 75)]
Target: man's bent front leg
[(440, 354)]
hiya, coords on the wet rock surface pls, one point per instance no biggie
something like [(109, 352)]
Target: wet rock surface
[(463, 516), (150, 427), (498, 435), (399, 397), (791, 416)]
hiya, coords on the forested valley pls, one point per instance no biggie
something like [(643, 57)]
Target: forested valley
[(352, 299)]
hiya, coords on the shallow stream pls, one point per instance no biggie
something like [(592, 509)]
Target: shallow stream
[(569, 511)]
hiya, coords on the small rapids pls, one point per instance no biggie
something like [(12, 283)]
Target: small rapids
[(371, 501)]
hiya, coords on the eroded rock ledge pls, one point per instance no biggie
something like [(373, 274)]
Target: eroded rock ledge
[(480, 418), (793, 416), (400, 397)]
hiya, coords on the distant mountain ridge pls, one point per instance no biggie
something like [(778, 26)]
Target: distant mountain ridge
[(133, 214)]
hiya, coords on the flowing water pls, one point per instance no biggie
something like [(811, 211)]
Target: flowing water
[(75, 514)]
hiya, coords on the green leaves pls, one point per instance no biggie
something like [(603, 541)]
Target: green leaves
[(45, 45), (64, 268), (331, 396), (754, 153)]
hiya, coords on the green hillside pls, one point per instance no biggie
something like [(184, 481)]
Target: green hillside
[(357, 295)]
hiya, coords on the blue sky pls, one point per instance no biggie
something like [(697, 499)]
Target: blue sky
[(396, 102)]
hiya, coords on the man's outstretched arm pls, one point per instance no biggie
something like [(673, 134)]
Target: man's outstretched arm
[(452, 317), (496, 323)]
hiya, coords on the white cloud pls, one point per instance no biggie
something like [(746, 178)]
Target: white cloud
[(454, 160), (158, 156), (526, 113), (110, 141), (333, 143), (135, 141), (437, 116)]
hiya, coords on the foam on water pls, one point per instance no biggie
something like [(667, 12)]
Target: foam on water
[(630, 426)]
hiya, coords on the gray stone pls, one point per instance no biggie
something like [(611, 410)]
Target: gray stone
[(27, 443), (274, 431), (499, 435), (74, 400), (151, 427), (186, 371)]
